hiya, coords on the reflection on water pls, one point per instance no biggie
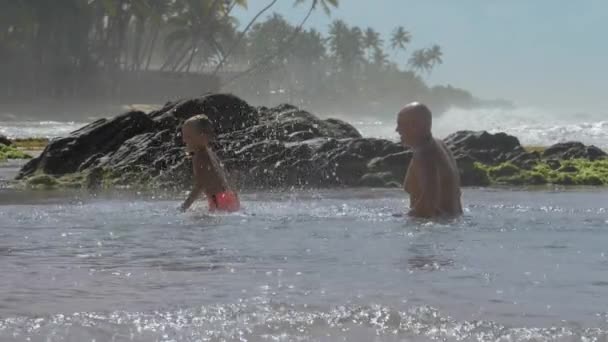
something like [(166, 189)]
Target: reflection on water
[(315, 265)]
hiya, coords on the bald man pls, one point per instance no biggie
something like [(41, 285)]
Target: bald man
[(432, 179)]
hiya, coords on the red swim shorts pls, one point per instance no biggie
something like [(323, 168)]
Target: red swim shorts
[(224, 201)]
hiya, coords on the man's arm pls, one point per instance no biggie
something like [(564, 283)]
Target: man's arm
[(426, 202)]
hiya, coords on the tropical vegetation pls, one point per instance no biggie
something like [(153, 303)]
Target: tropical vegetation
[(65, 48)]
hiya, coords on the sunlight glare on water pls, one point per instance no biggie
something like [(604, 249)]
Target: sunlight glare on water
[(315, 265)]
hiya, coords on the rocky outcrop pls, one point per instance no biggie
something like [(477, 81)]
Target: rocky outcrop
[(573, 150), (228, 112), (261, 147), (67, 155), (489, 149)]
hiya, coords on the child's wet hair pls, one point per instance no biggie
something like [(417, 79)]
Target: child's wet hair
[(202, 124)]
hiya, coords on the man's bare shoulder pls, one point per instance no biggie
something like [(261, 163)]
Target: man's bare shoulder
[(428, 153)]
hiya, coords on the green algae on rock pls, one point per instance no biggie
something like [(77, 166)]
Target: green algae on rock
[(569, 172), (10, 152)]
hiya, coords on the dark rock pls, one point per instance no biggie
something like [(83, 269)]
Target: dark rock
[(395, 164), (339, 128), (279, 147), (526, 160), (553, 164), (5, 141), (346, 168), (573, 150), (485, 147), (227, 112), (91, 162), (470, 174), (301, 136), (564, 179), (65, 155), (370, 147), (28, 169), (568, 169), (482, 140), (138, 153), (94, 179)]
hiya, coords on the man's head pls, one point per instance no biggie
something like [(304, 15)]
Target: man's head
[(414, 123), (197, 132)]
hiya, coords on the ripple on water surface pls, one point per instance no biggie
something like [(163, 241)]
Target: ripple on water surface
[(326, 266)]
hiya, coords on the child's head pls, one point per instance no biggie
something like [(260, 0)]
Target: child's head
[(197, 132)]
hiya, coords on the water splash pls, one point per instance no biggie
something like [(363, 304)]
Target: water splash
[(532, 126)]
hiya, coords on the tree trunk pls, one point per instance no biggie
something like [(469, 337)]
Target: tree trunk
[(281, 48), (170, 59), (152, 47), (241, 35), (139, 38), (180, 60), (192, 54), (124, 18)]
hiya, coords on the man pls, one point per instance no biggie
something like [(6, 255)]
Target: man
[(432, 179)]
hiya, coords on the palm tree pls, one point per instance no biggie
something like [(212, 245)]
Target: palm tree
[(308, 48), (158, 10), (434, 55), (345, 45), (372, 42), (400, 38), (419, 61), (380, 59), (266, 38), (195, 28), (241, 36), (142, 10), (325, 4)]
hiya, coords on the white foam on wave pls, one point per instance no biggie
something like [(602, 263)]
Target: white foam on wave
[(533, 126), (37, 129), (279, 322)]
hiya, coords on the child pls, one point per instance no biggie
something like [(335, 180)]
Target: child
[(209, 176)]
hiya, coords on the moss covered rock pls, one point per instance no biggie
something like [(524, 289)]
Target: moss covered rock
[(569, 172), (10, 152)]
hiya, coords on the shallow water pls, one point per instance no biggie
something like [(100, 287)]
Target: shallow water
[(323, 265)]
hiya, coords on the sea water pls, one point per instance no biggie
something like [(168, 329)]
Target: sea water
[(332, 265)]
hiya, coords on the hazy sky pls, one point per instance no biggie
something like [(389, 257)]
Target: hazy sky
[(547, 53)]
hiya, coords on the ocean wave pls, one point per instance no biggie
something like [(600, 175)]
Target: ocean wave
[(37, 129), (532, 126), (280, 322)]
